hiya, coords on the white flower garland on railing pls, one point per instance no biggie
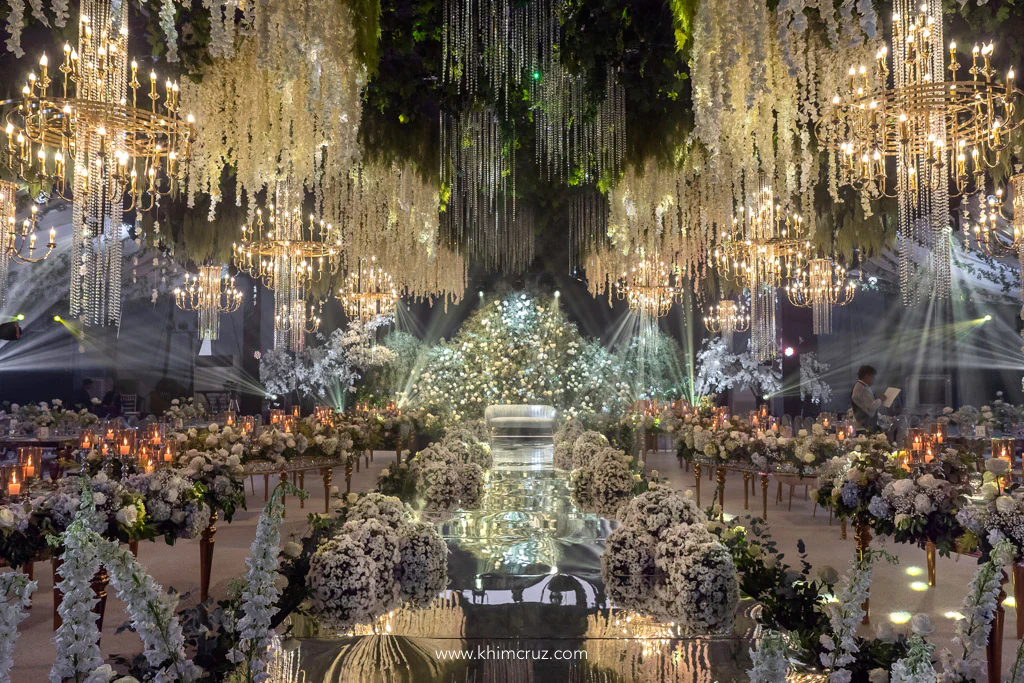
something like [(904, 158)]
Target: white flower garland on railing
[(77, 639), (978, 608), (259, 597), (844, 615), (152, 613), (769, 659), (15, 596)]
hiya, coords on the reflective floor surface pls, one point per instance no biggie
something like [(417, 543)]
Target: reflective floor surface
[(525, 601)]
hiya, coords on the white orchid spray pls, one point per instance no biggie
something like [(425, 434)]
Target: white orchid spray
[(259, 597), (979, 607), (15, 596), (152, 613), (769, 659)]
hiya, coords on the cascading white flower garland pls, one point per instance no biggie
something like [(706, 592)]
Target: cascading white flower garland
[(15, 596), (152, 613), (264, 112), (15, 25), (78, 637), (978, 608), (259, 597), (769, 659), (916, 665)]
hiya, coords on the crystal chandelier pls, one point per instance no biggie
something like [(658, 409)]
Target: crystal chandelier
[(17, 244), (119, 155), (210, 293), (766, 249), (819, 286), (727, 318), (288, 254), (369, 293), (983, 232), (649, 288), (944, 135)]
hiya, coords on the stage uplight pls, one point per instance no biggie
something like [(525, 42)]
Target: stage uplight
[(788, 351), (987, 318), (57, 319), (19, 317), (557, 294)]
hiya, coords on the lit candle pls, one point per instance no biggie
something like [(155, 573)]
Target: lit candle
[(30, 469), (125, 449), (149, 465), (14, 488), (167, 453)]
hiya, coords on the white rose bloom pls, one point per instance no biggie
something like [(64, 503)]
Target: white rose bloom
[(1005, 504), (128, 515), (6, 518)]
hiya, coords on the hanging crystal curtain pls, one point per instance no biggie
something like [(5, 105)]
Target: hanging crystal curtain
[(8, 208), (573, 144), (504, 40), (588, 224), (478, 167)]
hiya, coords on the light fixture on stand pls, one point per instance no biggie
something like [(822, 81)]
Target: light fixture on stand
[(288, 254), (369, 293), (726, 318), (819, 286), (209, 293), (767, 248)]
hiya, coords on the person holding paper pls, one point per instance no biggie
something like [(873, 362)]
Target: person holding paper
[(865, 405)]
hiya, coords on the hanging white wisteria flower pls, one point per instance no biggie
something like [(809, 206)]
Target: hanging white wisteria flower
[(769, 659), (287, 98), (15, 25), (170, 30), (15, 597)]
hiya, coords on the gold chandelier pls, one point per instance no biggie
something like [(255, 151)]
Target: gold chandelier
[(95, 139), (820, 286), (369, 293), (726, 318), (767, 248), (288, 254), (210, 293), (943, 134), (983, 231), (649, 288), (17, 244)]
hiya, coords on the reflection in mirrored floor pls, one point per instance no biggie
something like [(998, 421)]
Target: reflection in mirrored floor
[(525, 601)]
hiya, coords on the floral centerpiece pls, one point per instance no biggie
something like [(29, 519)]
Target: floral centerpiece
[(184, 411), (605, 481), (446, 479), (175, 505), (664, 562), (218, 476), (369, 559)]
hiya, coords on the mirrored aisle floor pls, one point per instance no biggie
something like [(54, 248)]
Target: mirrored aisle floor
[(525, 601)]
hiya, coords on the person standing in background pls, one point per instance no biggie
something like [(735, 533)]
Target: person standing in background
[(863, 402), (82, 398)]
